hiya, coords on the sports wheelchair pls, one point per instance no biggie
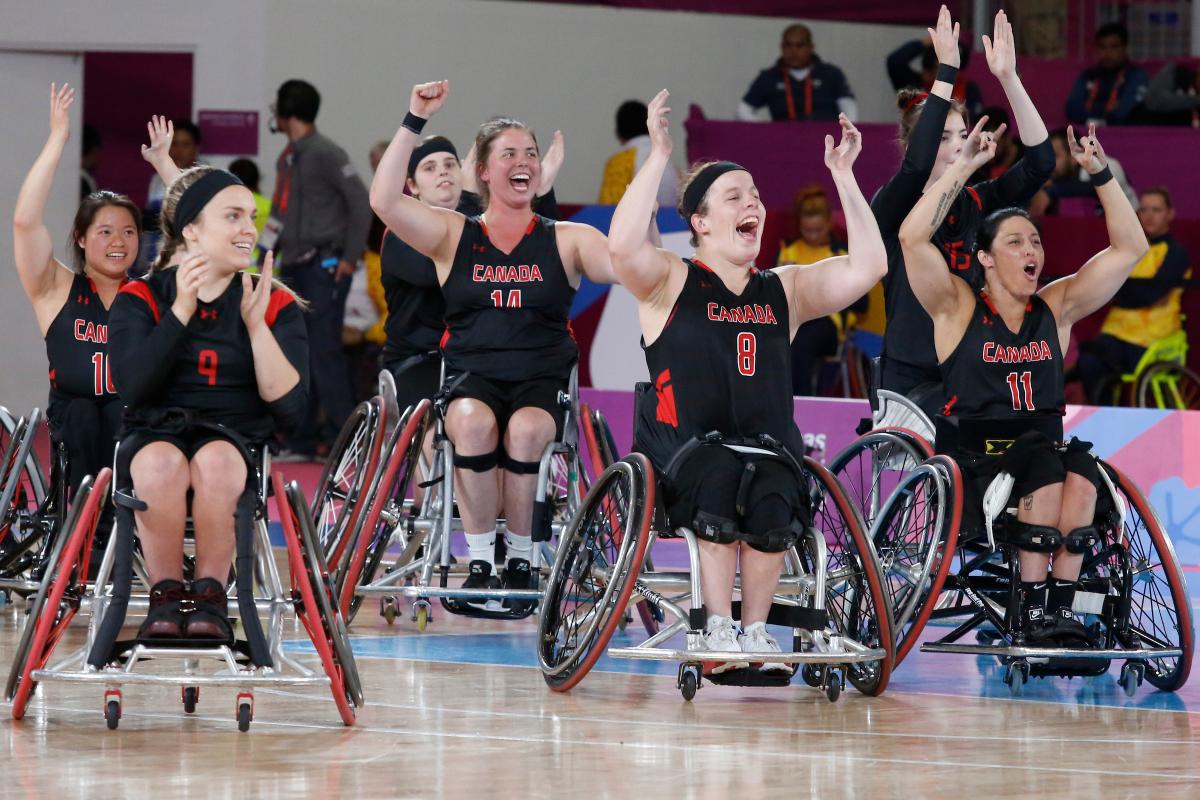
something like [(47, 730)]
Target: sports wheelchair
[(32, 507), (831, 593), (259, 659), (389, 518), (1131, 592)]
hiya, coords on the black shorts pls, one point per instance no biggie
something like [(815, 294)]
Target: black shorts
[(417, 377), (505, 397)]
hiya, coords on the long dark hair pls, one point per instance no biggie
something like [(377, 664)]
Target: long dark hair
[(86, 214), (985, 234)]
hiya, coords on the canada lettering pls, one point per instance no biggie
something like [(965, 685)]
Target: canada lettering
[(1001, 354), (523, 273), (761, 315), (90, 332)]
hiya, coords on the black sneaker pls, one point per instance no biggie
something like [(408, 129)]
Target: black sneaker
[(210, 611), (165, 618), (1036, 628), (1069, 631), (517, 575), (479, 576)]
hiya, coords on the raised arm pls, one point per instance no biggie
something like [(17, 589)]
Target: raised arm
[(1074, 297), (938, 291), (33, 250), (552, 162), (641, 267), (161, 131), (433, 232), (817, 290), (1001, 53)]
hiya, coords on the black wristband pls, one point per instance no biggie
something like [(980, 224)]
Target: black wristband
[(1102, 177), (946, 73), (414, 123)]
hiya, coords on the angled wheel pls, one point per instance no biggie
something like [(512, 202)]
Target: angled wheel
[(1168, 385), (871, 467), (385, 507), (346, 478), (915, 536), (58, 597), (854, 597), (313, 595), (596, 568), (1160, 613)]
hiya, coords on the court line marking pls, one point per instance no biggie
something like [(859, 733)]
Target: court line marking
[(713, 750), (741, 728)]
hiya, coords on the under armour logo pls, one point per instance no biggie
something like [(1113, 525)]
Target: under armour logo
[(478, 247), (951, 219), (81, 299), (987, 320), (208, 313)]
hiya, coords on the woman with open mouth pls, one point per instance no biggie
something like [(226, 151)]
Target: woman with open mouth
[(717, 334), (508, 277), (72, 303), (999, 349)]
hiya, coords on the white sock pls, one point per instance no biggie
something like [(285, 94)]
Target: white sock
[(482, 547), (518, 546)]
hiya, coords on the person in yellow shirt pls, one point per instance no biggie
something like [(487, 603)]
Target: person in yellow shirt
[(819, 338), (1147, 308), (623, 165)]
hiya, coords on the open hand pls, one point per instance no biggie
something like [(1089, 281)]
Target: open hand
[(842, 157), (552, 162), (189, 277), (160, 131), (60, 107), (1001, 50), (256, 298), (658, 125), (945, 39)]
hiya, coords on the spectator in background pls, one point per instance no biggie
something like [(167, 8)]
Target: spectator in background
[(1110, 91), (1173, 97), (799, 86), (903, 76), (1069, 180), (635, 146), (1146, 309), (185, 152), (247, 172), (363, 333), (318, 227), (819, 338), (89, 160)]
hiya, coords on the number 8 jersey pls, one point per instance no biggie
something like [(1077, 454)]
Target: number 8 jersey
[(722, 363), (995, 373)]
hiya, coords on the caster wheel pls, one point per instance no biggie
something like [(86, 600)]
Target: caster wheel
[(813, 675), (689, 681), (624, 623), (833, 686), (388, 611), (421, 616), (191, 694), (1015, 677), (112, 714), (244, 715), (1131, 678)]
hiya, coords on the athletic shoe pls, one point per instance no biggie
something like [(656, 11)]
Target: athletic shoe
[(756, 639), (165, 617), (479, 576), (517, 575), (1037, 629), (210, 611), (1070, 632), (720, 636)]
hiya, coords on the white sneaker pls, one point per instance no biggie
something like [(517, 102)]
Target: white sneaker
[(756, 639), (721, 636)]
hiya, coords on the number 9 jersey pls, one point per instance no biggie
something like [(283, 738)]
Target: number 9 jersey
[(722, 363)]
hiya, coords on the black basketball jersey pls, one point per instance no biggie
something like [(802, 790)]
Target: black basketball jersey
[(210, 368), (77, 346), (507, 313), (909, 335), (994, 373), (416, 311), (722, 363)]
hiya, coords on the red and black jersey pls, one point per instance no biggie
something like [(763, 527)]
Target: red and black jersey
[(208, 366), (722, 363), (997, 374), (77, 347), (507, 313)]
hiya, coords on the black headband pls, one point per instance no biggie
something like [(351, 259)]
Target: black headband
[(196, 196), (435, 144), (696, 190)]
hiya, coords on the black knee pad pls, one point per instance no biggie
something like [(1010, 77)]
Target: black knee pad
[(1081, 540), (480, 463), (1034, 538), (510, 464), (774, 512), (714, 528)]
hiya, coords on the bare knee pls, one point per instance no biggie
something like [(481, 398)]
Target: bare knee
[(528, 432), (472, 427), (159, 469), (218, 471), (1079, 493)]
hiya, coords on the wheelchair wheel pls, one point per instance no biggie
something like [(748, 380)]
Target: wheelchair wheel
[(1168, 385), (854, 597), (1160, 612), (599, 556), (915, 536), (349, 470), (58, 596), (390, 492), (312, 592), (873, 465)]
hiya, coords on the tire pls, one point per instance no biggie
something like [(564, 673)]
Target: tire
[(1168, 385), (599, 557), (871, 466), (346, 477)]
